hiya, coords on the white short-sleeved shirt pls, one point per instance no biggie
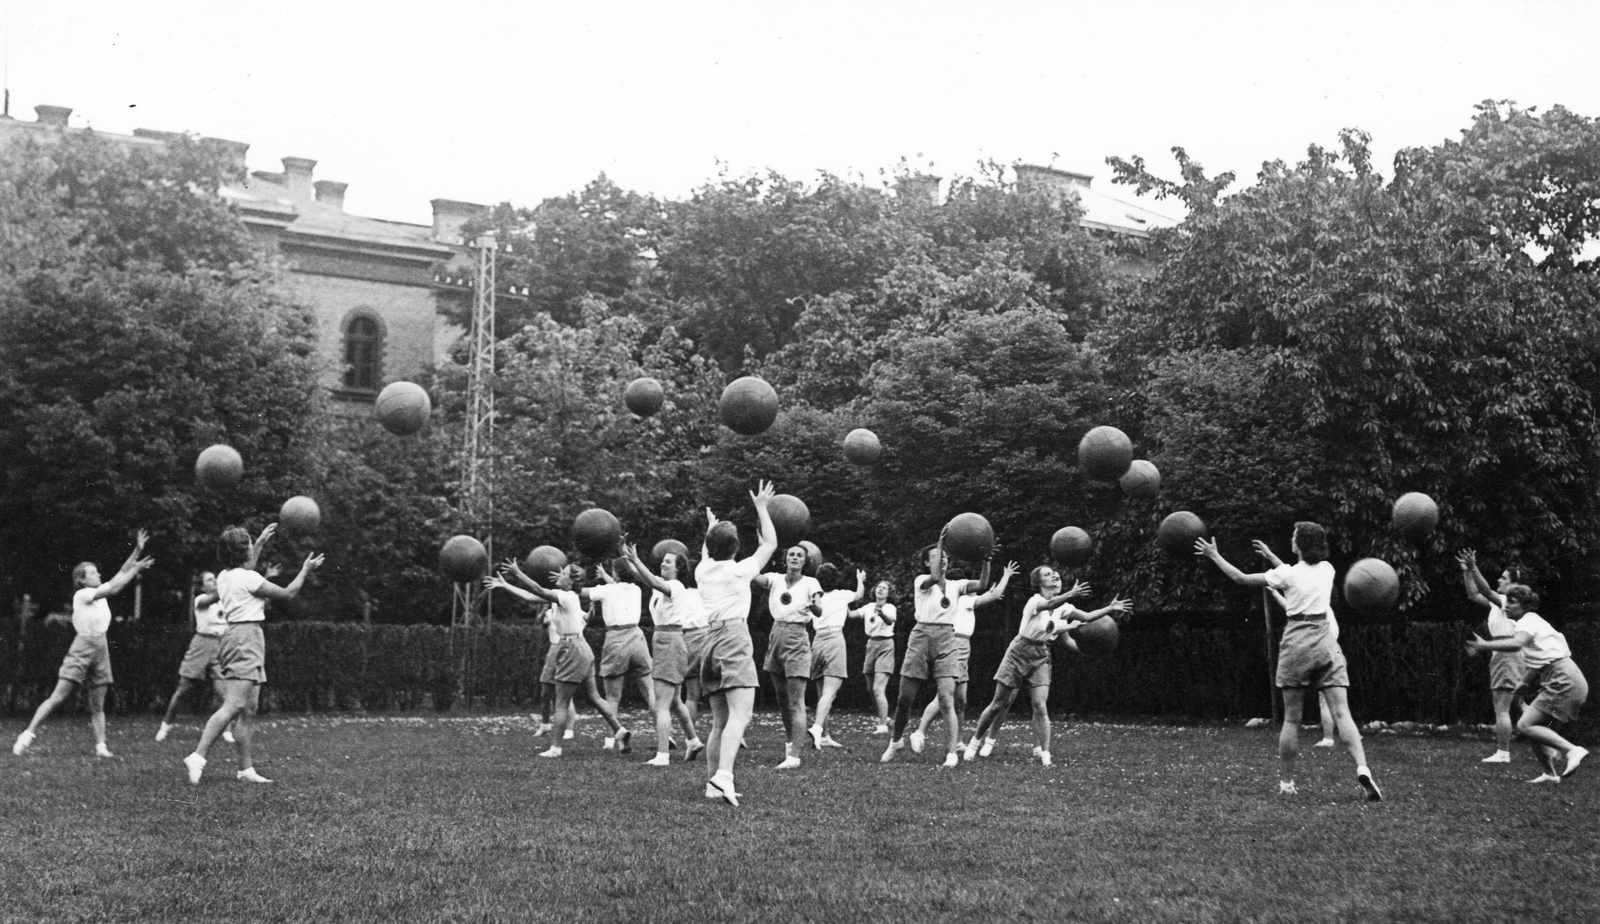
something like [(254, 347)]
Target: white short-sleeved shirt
[(876, 627), (932, 606), (566, 613), (966, 614), (91, 615), (835, 609), (664, 607), (236, 594), (547, 613), (208, 619), (798, 609), (688, 608), (1500, 625), (620, 604), (1307, 589), (1547, 645), (725, 587), (1035, 615)]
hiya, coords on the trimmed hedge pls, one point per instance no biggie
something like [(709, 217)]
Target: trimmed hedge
[(1398, 672)]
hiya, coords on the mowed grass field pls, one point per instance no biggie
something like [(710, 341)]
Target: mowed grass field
[(452, 818)]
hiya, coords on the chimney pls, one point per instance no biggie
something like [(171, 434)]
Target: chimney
[(297, 176), (331, 192), (53, 115), (448, 217), (1050, 182), (234, 151), (920, 187)]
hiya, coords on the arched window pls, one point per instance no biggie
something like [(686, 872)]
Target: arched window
[(363, 353)]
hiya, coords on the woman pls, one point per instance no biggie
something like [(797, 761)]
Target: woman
[(878, 662), (669, 653), (827, 646), (1506, 668)]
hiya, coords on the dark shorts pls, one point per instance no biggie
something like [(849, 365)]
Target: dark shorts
[(880, 656), (669, 656), (1506, 670), (1562, 690), (625, 653), (827, 656), (730, 660), (200, 661), (930, 653), (88, 662), (788, 651), (574, 661), (242, 653), (1026, 665), (1309, 658), (695, 641)]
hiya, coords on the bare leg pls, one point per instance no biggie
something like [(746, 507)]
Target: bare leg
[(909, 688), (1329, 730), (1294, 708), (96, 696), (1534, 725), (947, 704), (1502, 718), (57, 696), (237, 696), (1041, 716), (244, 730), (665, 698), (739, 704), (1339, 704), (989, 719), (880, 697), (185, 685), (830, 689)]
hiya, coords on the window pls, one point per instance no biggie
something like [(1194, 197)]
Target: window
[(363, 352)]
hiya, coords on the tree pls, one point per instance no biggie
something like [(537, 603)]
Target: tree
[(137, 326)]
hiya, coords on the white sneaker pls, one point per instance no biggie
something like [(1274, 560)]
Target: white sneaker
[(1498, 757), (712, 792), (100, 750), (625, 741), (916, 742), (970, 752), (1545, 778), (662, 759), (1045, 759), (881, 730), (816, 737), (555, 751), (23, 740), (828, 742), (1325, 743), (249, 775), (789, 763), (987, 748), (1574, 758), (227, 735), (610, 744), (195, 765), (1286, 788), (693, 749), (724, 787), (161, 733), (1364, 777), (545, 728), (895, 747), (951, 760), (566, 735)]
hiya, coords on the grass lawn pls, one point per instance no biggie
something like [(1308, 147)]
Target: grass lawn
[(452, 818)]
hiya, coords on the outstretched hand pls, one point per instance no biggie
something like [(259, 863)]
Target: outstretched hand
[(142, 537), (313, 562), (1207, 548), (711, 519), (762, 495), (1079, 589), (1476, 645), (1009, 570)]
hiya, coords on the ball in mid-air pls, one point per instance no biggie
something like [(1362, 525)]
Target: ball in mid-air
[(1105, 453), (1142, 480), (1178, 532), (861, 446), (403, 408), (813, 556), (1415, 515), (644, 396), (1071, 546), (596, 532), (790, 517), (1097, 638), (749, 405), (1371, 587), (463, 559), (300, 514), (219, 467), (542, 561), (969, 537)]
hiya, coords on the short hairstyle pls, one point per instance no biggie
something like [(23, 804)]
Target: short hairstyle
[(1036, 576), (685, 568), (1523, 594), (233, 547), (828, 576), (1311, 540), (921, 560), (885, 585), (722, 541), (79, 570), (1519, 574)]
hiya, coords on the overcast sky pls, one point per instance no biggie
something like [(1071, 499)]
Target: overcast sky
[(516, 101)]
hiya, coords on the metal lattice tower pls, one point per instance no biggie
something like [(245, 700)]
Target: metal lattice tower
[(477, 451)]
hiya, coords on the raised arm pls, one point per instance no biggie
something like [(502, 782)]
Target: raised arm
[(1477, 586), (861, 587), (130, 569), (1078, 589), (512, 569), (999, 589), (1265, 551), (766, 533), (260, 543), (272, 591), (1117, 605), (1208, 548), (630, 554), (493, 581)]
